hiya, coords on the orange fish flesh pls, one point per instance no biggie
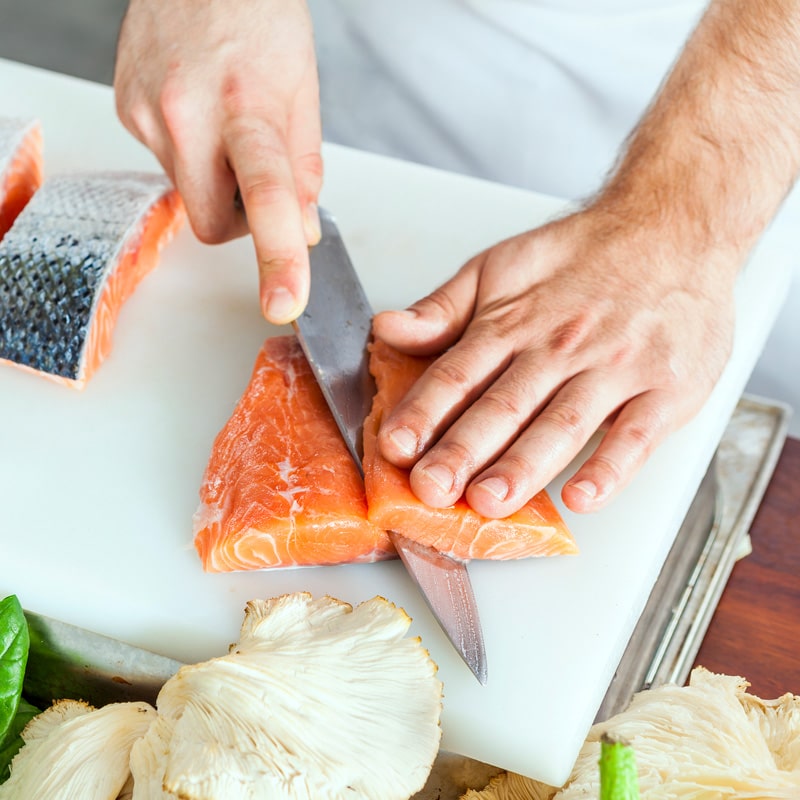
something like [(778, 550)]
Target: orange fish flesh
[(537, 529), (281, 488), (20, 167)]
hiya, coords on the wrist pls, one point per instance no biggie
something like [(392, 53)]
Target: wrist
[(719, 149)]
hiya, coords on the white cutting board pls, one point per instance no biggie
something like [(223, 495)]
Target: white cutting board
[(98, 488)]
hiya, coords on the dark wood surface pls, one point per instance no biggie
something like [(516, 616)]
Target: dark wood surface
[(755, 631)]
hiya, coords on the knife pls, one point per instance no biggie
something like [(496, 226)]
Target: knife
[(334, 331), (67, 661)]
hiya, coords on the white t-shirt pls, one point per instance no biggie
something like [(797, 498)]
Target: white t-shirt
[(534, 93)]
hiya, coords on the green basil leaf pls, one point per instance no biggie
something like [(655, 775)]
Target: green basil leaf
[(11, 743), (14, 643)]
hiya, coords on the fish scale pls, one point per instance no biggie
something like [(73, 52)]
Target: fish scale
[(57, 258)]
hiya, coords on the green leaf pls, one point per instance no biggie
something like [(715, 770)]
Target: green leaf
[(11, 743), (14, 643)]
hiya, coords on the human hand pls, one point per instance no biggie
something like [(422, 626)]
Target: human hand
[(225, 94), (553, 334)]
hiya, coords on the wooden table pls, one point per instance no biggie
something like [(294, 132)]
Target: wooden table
[(755, 631)]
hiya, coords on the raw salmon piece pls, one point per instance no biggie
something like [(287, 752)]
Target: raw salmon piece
[(73, 257), (20, 167), (537, 529), (280, 488)]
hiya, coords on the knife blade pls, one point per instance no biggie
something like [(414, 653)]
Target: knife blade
[(67, 661), (334, 331)]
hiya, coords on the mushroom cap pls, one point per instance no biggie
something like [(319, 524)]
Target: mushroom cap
[(707, 739), (74, 750), (316, 700)]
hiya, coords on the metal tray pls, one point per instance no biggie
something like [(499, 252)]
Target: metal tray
[(715, 533)]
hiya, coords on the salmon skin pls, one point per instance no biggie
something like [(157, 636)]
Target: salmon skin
[(281, 488), (537, 529), (20, 167), (70, 261)]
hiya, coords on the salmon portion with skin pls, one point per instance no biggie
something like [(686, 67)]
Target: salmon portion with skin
[(537, 529), (71, 260), (20, 167), (281, 488)]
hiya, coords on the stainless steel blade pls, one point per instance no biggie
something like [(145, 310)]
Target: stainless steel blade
[(67, 661), (334, 332), (445, 584)]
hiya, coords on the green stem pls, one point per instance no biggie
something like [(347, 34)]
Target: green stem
[(618, 778)]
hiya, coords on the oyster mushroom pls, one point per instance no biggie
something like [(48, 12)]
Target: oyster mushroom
[(316, 700), (73, 750), (707, 739)]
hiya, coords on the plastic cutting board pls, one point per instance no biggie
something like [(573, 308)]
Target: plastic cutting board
[(98, 488)]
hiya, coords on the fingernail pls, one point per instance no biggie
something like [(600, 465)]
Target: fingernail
[(403, 312), (311, 223), (405, 440), (280, 305), (587, 487), (441, 476), (497, 487)]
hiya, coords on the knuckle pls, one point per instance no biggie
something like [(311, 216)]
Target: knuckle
[(506, 404), (138, 118), (311, 165), (211, 228), (460, 456), (441, 301), (415, 416), (567, 419), (264, 191), (516, 467), (175, 109), (571, 335), (238, 99), (451, 372), (235, 100), (278, 263), (642, 433), (606, 471)]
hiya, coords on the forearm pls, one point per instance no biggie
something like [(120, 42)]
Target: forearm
[(719, 148)]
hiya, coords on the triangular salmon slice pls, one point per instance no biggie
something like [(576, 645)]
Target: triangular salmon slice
[(537, 529), (72, 259), (280, 488), (20, 167)]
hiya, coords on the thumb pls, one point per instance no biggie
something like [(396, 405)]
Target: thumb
[(437, 321)]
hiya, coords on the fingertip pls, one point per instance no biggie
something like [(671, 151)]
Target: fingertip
[(284, 284), (399, 445), (280, 306), (434, 484), (395, 318), (493, 497), (409, 331), (584, 495)]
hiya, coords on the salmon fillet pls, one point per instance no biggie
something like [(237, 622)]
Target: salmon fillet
[(280, 488), (71, 260), (20, 167), (537, 529)]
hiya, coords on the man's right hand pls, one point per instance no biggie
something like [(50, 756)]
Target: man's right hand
[(225, 93)]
